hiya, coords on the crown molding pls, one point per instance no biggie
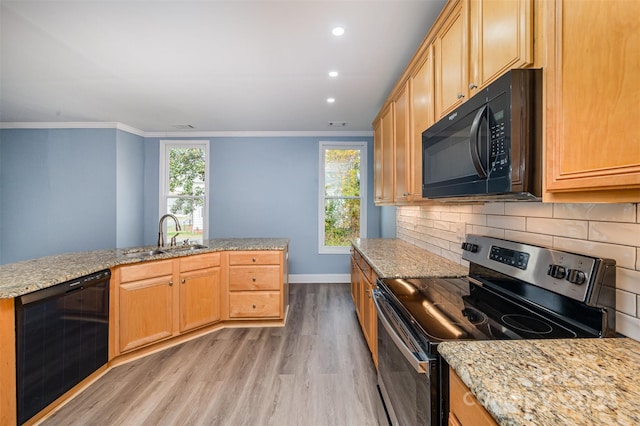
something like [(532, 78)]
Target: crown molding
[(183, 134), (72, 125)]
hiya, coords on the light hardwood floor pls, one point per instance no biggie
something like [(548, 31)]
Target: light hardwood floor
[(315, 371)]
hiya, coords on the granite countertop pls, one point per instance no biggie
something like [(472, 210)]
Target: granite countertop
[(27, 276), (552, 382), (393, 258)]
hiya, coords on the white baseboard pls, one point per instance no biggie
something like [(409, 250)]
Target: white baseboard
[(319, 278)]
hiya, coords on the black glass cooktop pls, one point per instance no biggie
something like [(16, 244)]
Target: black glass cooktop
[(454, 309)]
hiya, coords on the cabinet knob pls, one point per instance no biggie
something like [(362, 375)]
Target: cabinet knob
[(183, 281), (254, 259), (253, 279), (170, 283), (472, 86), (460, 96), (254, 306)]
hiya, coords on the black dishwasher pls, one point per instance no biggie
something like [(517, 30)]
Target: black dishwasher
[(62, 336)]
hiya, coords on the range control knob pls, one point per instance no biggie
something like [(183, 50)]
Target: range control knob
[(473, 248), (576, 276), (556, 271)]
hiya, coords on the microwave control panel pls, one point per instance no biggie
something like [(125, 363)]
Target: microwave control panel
[(498, 158)]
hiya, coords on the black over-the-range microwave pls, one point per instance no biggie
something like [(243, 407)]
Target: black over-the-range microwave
[(489, 148)]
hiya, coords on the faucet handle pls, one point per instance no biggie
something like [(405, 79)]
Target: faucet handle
[(185, 242), (173, 240)]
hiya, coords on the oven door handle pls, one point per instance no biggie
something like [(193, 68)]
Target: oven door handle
[(419, 365)]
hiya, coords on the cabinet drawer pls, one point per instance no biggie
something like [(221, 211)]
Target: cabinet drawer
[(202, 261), (254, 277), (254, 304), (254, 258), (146, 270)]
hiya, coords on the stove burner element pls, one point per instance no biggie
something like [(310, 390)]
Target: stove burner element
[(526, 324)]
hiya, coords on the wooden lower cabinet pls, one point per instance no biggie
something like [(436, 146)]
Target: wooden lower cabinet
[(363, 281), (145, 312), (257, 284), (464, 408), (254, 304), (145, 304), (199, 291), (158, 300)]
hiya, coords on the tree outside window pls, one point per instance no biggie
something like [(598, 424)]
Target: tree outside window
[(183, 188), (342, 195)]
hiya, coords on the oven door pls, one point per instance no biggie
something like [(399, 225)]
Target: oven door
[(406, 375)]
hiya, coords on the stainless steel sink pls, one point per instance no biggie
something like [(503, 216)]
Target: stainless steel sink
[(186, 248), (144, 253)]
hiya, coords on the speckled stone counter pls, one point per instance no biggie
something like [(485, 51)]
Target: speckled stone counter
[(25, 277), (393, 258), (552, 382)]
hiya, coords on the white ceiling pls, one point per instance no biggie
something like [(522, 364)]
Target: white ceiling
[(216, 65)]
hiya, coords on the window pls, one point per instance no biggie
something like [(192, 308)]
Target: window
[(342, 205), (184, 183)]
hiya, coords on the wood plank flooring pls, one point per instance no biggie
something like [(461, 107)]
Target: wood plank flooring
[(315, 371)]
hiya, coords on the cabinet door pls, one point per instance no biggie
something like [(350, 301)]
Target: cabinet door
[(370, 319), (464, 407), (592, 87), (501, 38), (354, 278), (199, 298), (388, 159), (422, 117), (377, 161), (451, 60), (145, 311), (402, 145)]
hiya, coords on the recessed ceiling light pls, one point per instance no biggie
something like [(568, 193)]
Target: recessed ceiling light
[(337, 31), (331, 100), (333, 73)]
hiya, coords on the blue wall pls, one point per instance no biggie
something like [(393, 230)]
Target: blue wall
[(57, 191), (265, 187), (129, 189), (67, 190)]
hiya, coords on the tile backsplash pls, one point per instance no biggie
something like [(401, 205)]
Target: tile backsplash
[(603, 230)]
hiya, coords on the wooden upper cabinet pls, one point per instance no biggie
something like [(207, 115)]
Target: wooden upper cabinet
[(377, 161), (451, 60), (388, 157), (592, 90), (501, 38), (402, 140), (384, 159), (422, 107)]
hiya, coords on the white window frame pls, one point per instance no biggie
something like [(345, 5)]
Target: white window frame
[(165, 145), (324, 146)]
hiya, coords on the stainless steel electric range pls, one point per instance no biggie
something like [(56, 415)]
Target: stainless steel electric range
[(513, 291)]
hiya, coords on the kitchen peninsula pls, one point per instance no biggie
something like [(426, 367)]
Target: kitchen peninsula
[(221, 283)]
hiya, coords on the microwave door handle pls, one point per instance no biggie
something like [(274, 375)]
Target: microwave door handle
[(474, 143)]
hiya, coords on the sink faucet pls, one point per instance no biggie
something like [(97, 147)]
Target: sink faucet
[(160, 226)]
